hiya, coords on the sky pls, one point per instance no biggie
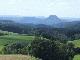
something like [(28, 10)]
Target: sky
[(61, 8)]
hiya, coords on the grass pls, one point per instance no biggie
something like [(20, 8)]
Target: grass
[(17, 57), (7, 39)]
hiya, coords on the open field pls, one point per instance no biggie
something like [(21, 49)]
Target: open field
[(17, 57), (4, 40), (20, 38)]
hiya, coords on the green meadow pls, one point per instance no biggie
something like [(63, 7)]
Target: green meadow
[(8, 39)]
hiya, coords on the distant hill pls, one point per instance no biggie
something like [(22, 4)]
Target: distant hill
[(52, 19)]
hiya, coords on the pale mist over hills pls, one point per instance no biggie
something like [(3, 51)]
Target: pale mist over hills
[(50, 12), (52, 20)]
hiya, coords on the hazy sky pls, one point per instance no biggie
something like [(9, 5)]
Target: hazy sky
[(61, 8)]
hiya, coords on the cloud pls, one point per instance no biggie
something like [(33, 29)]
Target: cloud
[(61, 8)]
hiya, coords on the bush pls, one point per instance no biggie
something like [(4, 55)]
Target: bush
[(77, 50), (16, 48), (51, 50)]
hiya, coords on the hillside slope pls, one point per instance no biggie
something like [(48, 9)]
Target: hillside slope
[(17, 57)]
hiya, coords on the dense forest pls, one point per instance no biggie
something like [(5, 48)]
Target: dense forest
[(69, 32)]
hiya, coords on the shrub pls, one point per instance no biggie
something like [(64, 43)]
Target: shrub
[(51, 50), (16, 48)]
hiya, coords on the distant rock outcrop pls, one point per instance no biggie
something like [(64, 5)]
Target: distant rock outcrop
[(52, 19)]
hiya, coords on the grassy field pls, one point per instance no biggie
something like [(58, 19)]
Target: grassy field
[(12, 38), (7, 39), (17, 57), (20, 38)]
